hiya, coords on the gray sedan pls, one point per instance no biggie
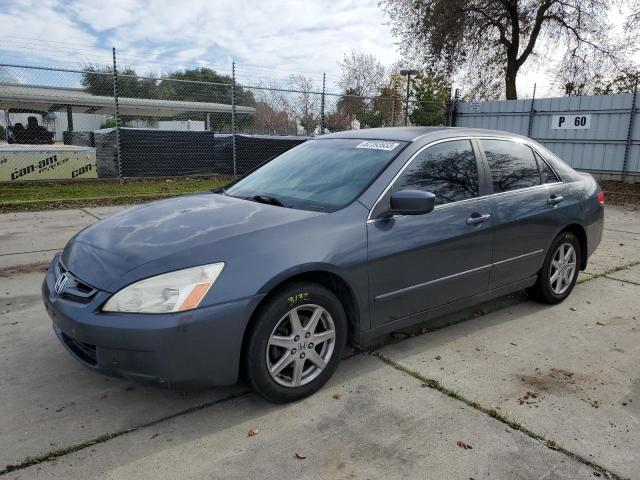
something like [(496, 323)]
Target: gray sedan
[(340, 240)]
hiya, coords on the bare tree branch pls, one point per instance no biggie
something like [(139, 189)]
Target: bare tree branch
[(501, 36)]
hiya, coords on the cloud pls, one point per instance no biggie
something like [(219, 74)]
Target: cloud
[(161, 35)]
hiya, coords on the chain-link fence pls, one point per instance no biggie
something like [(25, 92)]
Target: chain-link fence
[(106, 121)]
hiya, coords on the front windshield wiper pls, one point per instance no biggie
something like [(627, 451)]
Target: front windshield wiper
[(269, 200)]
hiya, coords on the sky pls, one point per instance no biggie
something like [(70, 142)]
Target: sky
[(264, 37), (268, 39)]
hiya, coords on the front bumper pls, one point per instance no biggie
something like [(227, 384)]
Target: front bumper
[(200, 346)]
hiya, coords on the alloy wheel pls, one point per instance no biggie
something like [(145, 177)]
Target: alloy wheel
[(300, 345), (563, 268)]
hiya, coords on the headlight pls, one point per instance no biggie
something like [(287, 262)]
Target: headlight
[(170, 292)]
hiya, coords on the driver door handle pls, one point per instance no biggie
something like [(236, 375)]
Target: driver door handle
[(554, 199), (476, 218)]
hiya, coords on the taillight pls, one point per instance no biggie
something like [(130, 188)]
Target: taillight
[(601, 197)]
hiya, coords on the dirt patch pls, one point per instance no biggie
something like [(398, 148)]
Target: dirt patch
[(554, 380), (618, 193), (559, 382), (531, 399)]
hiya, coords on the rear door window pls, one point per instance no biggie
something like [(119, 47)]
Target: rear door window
[(512, 165), (447, 169)]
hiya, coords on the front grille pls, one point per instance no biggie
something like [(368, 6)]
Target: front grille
[(84, 351), (74, 289)]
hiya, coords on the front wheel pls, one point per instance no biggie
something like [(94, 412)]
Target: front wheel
[(296, 343), (559, 271)]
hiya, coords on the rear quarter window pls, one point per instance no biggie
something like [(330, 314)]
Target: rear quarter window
[(547, 175)]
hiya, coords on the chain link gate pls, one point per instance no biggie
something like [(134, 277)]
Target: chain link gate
[(187, 123)]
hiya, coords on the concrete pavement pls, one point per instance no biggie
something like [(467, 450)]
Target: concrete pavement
[(382, 424), (32, 238), (568, 374)]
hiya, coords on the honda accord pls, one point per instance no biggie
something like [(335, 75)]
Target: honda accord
[(338, 241)]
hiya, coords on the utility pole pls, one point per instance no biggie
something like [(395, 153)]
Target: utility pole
[(408, 73)]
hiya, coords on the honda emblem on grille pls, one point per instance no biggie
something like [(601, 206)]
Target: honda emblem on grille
[(61, 282)]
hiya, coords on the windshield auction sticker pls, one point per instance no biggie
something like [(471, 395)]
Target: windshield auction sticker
[(378, 145)]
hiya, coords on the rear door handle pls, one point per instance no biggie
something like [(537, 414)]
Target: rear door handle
[(554, 199), (476, 218)]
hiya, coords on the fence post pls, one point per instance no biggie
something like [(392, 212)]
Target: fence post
[(393, 111), (531, 112), (117, 112), (451, 106), (632, 114), (233, 117), (6, 126), (322, 120), (448, 108), (406, 101)]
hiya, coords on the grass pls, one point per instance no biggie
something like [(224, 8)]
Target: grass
[(29, 196), (47, 195)]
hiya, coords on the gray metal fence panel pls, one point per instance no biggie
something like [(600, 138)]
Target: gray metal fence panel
[(507, 115), (599, 148)]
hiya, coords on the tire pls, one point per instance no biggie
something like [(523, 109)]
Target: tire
[(553, 289), (275, 345)]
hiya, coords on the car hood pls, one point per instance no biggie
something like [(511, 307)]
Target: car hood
[(181, 232)]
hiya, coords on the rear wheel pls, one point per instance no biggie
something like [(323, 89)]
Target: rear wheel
[(296, 343), (560, 270)]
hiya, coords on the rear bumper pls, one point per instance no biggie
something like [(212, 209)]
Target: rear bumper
[(201, 346), (594, 235)]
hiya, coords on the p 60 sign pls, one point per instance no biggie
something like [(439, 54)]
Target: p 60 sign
[(570, 122)]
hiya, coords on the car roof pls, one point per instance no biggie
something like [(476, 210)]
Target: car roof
[(411, 134)]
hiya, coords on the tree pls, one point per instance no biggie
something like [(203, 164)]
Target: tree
[(431, 91), (207, 85), (589, 76), (99, 81), (195, 85), (633, 20), (337, 121), (388, 105), (269, 120), (362, 74), (624, 82), (499, 36), (351, 103), (370, 91), (271, 111), (202, 85), (304, 105)]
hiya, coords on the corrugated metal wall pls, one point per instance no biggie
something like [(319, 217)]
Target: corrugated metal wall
[(598, 149)]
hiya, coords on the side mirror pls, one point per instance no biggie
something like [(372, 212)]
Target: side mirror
[(412, 202)]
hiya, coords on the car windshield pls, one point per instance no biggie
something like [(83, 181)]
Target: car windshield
[(323, 175)]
